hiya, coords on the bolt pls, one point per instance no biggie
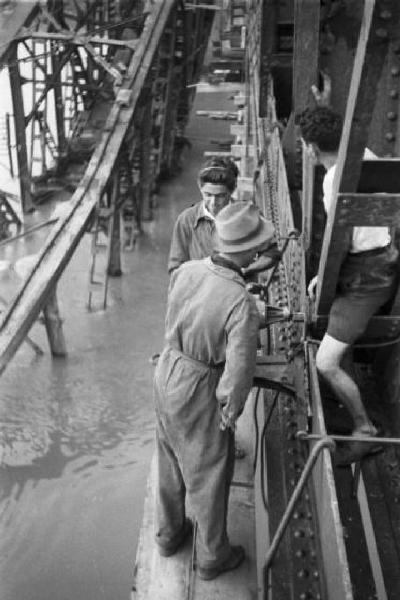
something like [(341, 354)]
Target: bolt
[(315, 574), (394, 94), (300, 553), (382, 33), (386, 15), (299, 533), (303, 574), (390, 137), (391, 115), (395, 72)]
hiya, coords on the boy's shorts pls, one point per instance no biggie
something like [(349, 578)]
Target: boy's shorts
[(367, 282)]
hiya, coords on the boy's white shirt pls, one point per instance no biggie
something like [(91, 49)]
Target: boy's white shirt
[(364, 238)]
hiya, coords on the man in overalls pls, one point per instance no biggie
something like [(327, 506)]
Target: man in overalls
[(201, 383)]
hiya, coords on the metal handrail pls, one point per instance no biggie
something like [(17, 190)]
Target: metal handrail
[(324, 442)]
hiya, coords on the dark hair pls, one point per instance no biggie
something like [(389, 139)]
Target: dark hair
[(321, 126), (219, 171)]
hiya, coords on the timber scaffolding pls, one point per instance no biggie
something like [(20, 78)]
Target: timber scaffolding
[(122, 76)]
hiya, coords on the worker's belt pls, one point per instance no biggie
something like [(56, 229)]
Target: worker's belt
[(193, 360), (372, 252)]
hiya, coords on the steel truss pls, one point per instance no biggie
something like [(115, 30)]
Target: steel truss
[(315, 559)]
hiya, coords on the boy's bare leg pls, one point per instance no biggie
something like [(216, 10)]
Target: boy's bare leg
[(331, 358)]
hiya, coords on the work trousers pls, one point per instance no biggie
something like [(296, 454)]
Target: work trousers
[(195, 458)]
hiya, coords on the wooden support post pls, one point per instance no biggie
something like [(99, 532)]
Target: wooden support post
[(114, 264), (20, 133), (55, 7), (146, 162), (368, 63), (53, 324)]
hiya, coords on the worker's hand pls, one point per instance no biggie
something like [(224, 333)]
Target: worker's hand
[(312, 287), (323, 97), (261, 263), (228, 419)]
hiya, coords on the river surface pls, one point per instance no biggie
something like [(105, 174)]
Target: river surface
[(77, 433)]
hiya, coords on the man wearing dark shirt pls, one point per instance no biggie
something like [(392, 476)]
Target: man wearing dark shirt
[(193, 235)]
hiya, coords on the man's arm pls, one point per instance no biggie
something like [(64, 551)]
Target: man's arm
[(241, 352), (179, 250), (266, 259)]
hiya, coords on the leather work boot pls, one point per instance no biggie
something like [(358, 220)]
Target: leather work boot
[(172, 548), (233, 561)]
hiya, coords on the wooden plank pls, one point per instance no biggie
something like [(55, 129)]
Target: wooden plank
[(76, 39), (368, 64), (367, 210), (154, 576), (220, 153), (306, 51)]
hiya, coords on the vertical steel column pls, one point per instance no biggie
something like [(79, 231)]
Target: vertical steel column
[(56, 8), (20, 133)]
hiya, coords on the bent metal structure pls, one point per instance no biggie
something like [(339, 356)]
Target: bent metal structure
[(317, 531)]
